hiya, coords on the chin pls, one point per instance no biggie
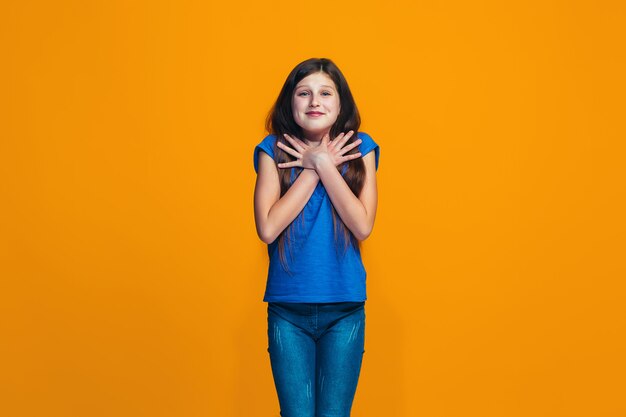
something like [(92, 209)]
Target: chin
[(314, 127)]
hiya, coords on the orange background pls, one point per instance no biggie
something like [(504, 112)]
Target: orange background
[(131, 274)]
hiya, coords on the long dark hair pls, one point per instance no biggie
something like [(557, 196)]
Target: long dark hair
[(280, 120)]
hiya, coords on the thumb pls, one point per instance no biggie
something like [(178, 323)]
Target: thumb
[(326, 138)]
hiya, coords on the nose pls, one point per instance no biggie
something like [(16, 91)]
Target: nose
[(314, 102)]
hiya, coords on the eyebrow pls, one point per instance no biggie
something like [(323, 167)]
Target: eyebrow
[(306, 85)]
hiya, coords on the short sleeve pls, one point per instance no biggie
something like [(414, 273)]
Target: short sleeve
[(367, 145), (267, 146)]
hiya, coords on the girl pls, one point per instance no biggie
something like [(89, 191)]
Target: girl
[(314, 201)]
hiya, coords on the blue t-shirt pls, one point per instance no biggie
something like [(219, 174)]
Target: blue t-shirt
[(318, 271)]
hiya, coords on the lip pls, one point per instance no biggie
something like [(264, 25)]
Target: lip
[(314, 113)]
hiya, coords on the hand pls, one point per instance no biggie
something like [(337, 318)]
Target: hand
[(336, 149), (309, 157)]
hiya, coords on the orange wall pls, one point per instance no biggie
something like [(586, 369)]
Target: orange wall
[(131, 274)]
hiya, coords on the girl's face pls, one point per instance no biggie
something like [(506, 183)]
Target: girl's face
[(315, 104)]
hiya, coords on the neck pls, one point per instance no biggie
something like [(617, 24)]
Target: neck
[(314, 139)]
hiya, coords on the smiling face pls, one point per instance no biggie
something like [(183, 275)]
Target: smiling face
[(315, 104)]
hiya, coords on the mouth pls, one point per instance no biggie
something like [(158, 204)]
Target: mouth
[(314, 113)]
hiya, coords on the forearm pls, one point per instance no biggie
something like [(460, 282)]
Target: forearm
[(287, 208), (347, 205)]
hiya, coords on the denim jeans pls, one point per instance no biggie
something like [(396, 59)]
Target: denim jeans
[(316, 351)]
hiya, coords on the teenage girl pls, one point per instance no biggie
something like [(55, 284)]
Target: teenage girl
[(314, 201)]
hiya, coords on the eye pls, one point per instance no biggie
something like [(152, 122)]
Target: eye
[(302, 93), (328, 93)]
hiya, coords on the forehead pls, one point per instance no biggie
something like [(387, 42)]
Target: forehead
[(317, 79)]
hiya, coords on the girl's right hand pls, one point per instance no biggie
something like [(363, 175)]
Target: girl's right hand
[(337, 149)]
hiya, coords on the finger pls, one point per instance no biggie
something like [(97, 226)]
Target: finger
[(346, 138), (297, 143), (289, 164), (326, 138), (288, 150), (351, 157), (336, 140), (350, 146), (300, 142)]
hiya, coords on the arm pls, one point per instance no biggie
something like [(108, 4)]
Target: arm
[(358, 213), (271, 212)]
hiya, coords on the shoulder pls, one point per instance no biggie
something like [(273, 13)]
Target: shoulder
[(267, 145), (367, 145), (268, 142)]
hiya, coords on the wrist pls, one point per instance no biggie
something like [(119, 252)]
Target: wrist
[(311, 173), (322, 164)]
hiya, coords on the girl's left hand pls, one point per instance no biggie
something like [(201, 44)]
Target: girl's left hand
[(311, 157)]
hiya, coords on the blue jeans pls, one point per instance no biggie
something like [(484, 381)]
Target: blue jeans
[(316, 351)]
